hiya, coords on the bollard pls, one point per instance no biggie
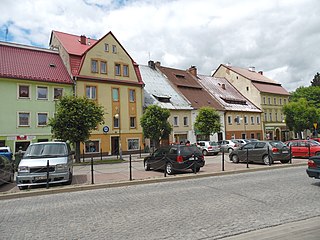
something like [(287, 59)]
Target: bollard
[(140, 152), (101, 154), (194, 164), (130, 168), (309, 152), (83, 156), (223, 161), (92, 178), (165, 167), (290, 154), (269, 157), (247, 158), (47, 174)]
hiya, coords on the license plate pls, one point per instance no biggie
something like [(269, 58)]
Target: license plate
[(284, 151), (40, 178)]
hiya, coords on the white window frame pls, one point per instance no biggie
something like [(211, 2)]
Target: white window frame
[(229, 120), (132, 95), (87, 146), (252, 120), (18, 120), (62, 92), (91, 93), (125, 70), (103, 67), (136, 144), (106, 47), (29, 91), (94, 67), (258, 120), (117, 69), (46, 124), (115, 90), (47, 93)]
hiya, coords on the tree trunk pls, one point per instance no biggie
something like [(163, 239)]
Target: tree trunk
[(77, 152)]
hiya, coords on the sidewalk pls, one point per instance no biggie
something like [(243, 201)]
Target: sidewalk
[(118, 174)]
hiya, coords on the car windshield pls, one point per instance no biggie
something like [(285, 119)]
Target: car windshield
[(45, 150), (314, 143), (213, 144), (188, 150), (277, 144)]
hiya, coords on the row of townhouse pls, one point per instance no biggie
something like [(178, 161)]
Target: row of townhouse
[(32, 80)]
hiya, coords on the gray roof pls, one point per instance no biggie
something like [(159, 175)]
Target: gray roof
[(226, 94), (158, 91)]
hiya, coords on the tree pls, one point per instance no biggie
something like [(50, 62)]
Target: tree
[(208, 121), (155, 125), (311, 94), (316, 80), (300, 115), (74, 119)]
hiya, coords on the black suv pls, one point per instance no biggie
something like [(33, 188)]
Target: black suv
[(175, 158)]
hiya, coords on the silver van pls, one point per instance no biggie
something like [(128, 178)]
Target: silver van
[(53, 159)]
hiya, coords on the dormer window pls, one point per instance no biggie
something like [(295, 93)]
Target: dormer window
[(164, 99), (180, 76)]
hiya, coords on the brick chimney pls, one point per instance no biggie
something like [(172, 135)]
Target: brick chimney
[(260, 72), (83, 39), (158, 64), (193, 70)]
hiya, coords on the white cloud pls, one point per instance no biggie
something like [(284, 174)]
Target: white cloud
[(279, 37)]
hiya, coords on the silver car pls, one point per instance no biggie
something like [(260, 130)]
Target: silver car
[(208, 147), (44, 162)]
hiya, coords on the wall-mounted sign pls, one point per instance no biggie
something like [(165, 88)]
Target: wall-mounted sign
[(105, 129)]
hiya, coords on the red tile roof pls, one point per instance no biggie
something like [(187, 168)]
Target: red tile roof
[(186, 83), (31, 63), (270, 88)]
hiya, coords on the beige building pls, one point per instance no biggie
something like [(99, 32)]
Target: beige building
[(104, 72), (266, 94)]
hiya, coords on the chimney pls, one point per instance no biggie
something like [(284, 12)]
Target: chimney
[(151, 64), (260, 72), (193, 71), (223, 86), (83, 39), (252, 69), (158, 64)]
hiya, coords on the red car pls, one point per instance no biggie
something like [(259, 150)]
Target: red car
[(301, 148)]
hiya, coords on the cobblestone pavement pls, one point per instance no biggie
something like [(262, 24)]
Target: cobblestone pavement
[(202, 208), (119, 172)]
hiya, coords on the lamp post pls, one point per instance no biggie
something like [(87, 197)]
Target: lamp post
[(117, 116)]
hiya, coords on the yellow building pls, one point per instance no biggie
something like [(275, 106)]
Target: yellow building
[(104, 72), (266, 94)]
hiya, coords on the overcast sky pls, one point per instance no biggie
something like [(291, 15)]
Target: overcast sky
[(280, 38)]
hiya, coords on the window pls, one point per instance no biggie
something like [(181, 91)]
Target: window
[(106, 47), (258, 120), (42, 93), (252, 120), (103, 67), (24, 119), (246, 120), (115, 94), (238, 120), (270, 117), (132, 122), (114, 49), (229, 120), (57, 93), (24, 91), (269, 101), (125, 70), (280, 101), (115, 122), (185, 121), (91, 92), (264, 100), (92, 146), (42, 119), (133, 144), (284, 101), (117, 69), (94, 66), (265, 117), (175, 121), (132, 95), (275, 101)]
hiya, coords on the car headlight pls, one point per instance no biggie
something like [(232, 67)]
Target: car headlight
[(61, 167), (24, 169)]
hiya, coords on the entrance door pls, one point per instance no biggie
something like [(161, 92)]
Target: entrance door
[(114, 145), (21, 146)]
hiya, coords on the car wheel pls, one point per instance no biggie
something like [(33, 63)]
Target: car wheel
[(284, 161), (146, 166), (23, 187), (205, 152), (70, 179), (169, 169), (267, 160), (317, 153), (230, 150), (235, 158)]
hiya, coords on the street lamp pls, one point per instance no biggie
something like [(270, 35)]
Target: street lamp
[(117, 116)]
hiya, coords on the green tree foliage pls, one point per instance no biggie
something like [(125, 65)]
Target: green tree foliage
[(316, 80), (300, 115), (311, 94), (74, 119), (155, 123), (208, 121)]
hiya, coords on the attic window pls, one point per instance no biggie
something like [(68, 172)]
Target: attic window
[(234, 101), (164, 99), (52, 65), (180, 76)]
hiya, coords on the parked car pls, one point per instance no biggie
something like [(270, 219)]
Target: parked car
[(313, 169), (175, 158), (300, 148), (315, 139), (227, 145), (6, 170), (6, 151), (240, 142), (32, 169), (261, 152), (208, 147)]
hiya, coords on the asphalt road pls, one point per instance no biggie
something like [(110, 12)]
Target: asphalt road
[(204, 208)]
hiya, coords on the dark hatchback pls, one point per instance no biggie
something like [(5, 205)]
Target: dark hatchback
[(313, 169), (261, 152), (6, 170), (175, 158)]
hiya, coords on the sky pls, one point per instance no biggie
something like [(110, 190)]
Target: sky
[(279, 37)]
